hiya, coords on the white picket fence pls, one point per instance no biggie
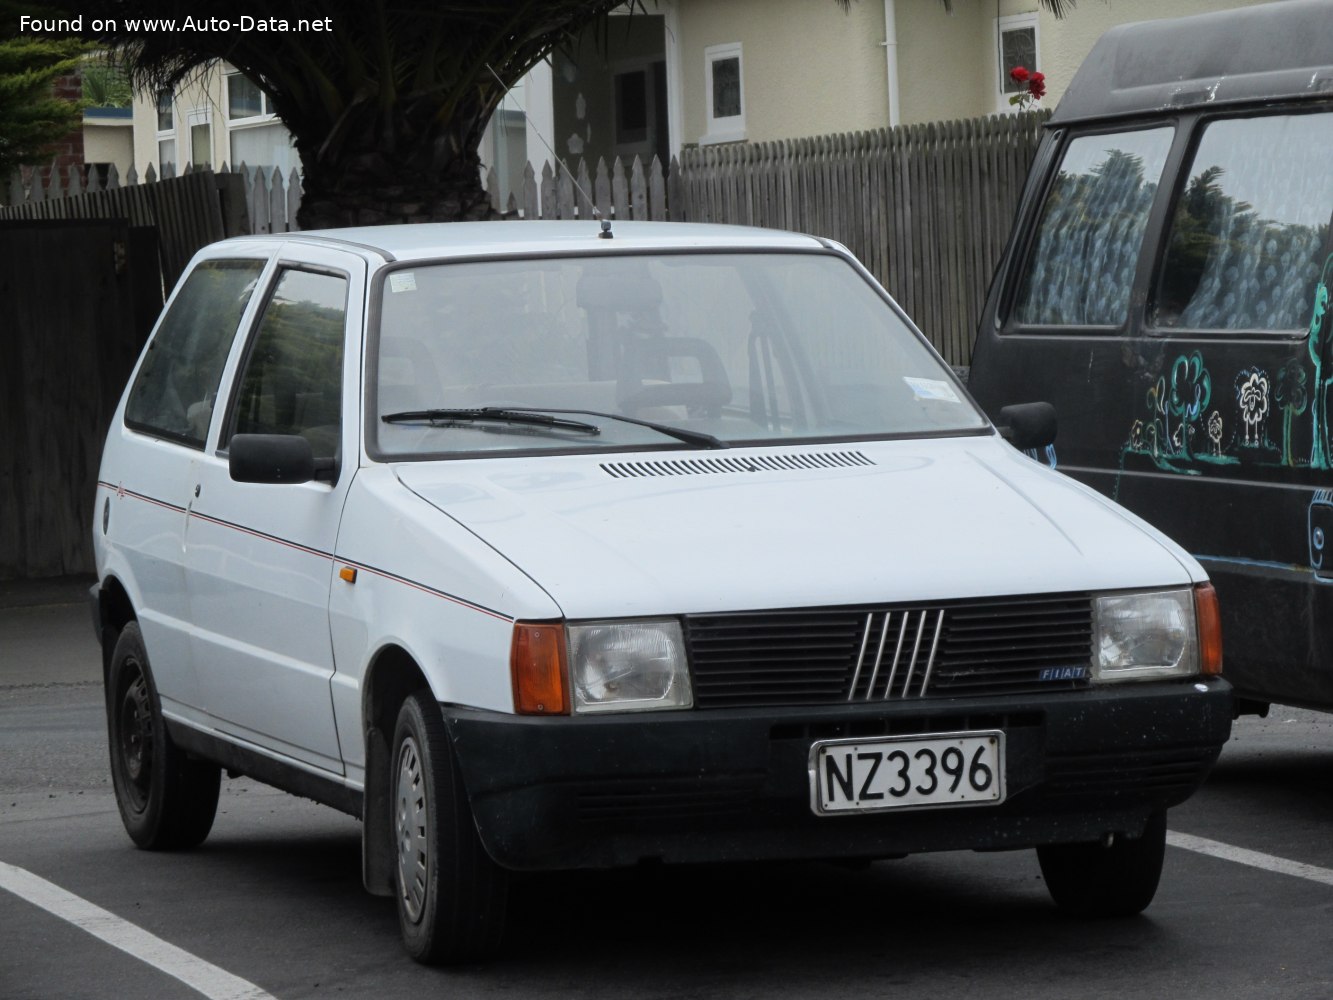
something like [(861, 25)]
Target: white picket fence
[(619, 191), (271, 200)]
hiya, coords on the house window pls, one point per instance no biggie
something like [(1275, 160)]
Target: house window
[(166, 122), (256, 137), (245, 99), (166, 133), (724, 83), (1016, 44), (201, 139)]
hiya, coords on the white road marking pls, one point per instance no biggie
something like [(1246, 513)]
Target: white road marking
[(1254, 859), (194, 972)]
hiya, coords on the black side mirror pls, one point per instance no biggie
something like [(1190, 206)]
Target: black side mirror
[(1028, 425), (271, 458)]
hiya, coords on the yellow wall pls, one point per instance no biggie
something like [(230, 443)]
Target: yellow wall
[(108, 143), (808, 68), (945, 64)]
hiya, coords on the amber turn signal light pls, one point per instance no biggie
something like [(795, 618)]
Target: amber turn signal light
[(1210, 630), (537, 663)]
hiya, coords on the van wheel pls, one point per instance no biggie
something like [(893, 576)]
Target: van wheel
[(166, 800), (451, 895), (1089, 880)]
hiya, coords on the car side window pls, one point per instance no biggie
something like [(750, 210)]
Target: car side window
[(177, 384), (1250, 228), (1081, 268), (292, 378)]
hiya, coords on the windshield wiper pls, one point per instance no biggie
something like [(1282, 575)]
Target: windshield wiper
[(698, 438), (524, 417), (538, 416)]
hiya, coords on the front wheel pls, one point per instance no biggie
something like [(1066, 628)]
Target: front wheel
[(451, 895), (165, 799), (1089, 880)]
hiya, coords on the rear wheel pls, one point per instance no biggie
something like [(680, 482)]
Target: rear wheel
[(1089, 880), (451, 895), (165, 799)]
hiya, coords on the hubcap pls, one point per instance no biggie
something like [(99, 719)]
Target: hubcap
[(135, 729), (411, 827)]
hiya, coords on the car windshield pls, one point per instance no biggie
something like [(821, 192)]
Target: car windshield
[(742, 348)]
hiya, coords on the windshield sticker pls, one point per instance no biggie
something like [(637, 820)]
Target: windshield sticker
[(402, 281), (931, 388)]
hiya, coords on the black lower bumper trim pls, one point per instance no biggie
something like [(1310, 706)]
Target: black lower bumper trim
[(733, 784)]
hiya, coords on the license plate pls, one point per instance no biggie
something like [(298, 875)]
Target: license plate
[(929, 770)]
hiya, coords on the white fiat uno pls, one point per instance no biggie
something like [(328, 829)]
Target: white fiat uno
[(542, 547)]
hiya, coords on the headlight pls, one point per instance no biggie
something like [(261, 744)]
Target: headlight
[(1147, 636), (628, 666)]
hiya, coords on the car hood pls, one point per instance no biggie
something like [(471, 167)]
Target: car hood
[(885, 522)]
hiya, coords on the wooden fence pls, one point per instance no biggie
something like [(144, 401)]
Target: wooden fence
[(77, 299), (927, 208), (188, 212)]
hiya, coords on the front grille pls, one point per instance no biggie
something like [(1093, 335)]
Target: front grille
[(869, 654)]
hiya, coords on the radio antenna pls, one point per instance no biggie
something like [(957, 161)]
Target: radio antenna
[(605, 233)]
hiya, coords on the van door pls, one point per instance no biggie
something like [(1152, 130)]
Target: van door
[(1171, 302), (259, 557)]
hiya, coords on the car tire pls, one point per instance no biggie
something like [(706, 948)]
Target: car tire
[(167, 801), (1089, 880), (451, 895)]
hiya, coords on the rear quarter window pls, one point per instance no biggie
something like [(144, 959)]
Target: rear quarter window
[(1081, 268)]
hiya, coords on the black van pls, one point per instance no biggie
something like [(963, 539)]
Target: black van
[(1167, 288)]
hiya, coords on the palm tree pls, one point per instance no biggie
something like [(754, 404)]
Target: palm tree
[(387, 109)]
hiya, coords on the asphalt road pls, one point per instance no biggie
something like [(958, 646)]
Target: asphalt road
[(271, 905)]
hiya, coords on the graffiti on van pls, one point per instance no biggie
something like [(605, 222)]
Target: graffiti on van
[(1044, 456), (1252, 399), (1180, 432), (1291, 396), (1315, 342)]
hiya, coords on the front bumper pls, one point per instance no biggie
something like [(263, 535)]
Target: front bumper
[(730, 785)]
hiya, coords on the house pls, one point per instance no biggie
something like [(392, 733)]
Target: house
[(217, 117), (678, 73)]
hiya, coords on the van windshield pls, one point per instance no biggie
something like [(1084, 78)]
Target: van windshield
[(738, 348)]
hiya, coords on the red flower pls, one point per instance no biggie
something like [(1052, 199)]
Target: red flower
[(1019, 74), (1037, 86)]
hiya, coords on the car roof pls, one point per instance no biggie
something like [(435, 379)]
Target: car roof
[(421, 241), (1273, 51)]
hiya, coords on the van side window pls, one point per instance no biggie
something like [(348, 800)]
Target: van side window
[(1082, 265), (292, 380), (174, 392), (1251, 226)]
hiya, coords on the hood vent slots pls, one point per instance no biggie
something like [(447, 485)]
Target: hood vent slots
[(792, 462)]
